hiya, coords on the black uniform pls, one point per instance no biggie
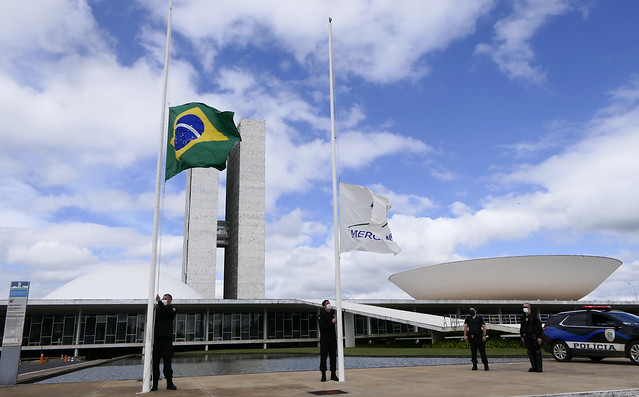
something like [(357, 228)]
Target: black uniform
[(328, 340), (530, 330), (163, 342), (474, 335)]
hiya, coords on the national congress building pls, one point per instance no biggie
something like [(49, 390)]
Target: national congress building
[(83, 318)]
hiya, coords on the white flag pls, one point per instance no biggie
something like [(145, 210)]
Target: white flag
[(362, 218)]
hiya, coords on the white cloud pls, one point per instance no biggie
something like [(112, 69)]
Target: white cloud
[(376, 40), (98, 115), (444, 175), (357, 149), (48, 253), (290, 230), (592, 175), (406, 204), (32, 31), (459, 209), (511, 44)]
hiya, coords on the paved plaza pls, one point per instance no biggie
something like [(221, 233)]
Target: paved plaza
[(614, 377)]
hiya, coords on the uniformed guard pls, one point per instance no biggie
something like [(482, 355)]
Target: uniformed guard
[(475, 334), (328, 339), (531, 332), (163, 340)]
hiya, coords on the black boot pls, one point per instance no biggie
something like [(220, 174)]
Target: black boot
[(486, 367), (323, 376), (155, 386), (170, 385), (474, 368), (333, 376)]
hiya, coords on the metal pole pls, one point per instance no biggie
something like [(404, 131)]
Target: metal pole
[(338, 283), (150, 312)]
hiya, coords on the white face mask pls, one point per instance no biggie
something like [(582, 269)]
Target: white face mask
[(526, 310), (165, 302), (329, 307)]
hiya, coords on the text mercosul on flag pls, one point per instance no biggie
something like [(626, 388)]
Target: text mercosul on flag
[(363, 224), (199, 136)]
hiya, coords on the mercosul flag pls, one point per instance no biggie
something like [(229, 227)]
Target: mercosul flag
[(199, 136), (362, 218)]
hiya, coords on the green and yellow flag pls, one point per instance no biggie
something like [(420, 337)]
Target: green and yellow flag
[(199, 136)]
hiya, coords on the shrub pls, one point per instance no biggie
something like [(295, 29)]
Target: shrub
[(490, 343)]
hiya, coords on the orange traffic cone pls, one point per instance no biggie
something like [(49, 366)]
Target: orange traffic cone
[(65, 358), (41, 358)]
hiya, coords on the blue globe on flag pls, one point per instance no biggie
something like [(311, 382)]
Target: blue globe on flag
[(187, 128)]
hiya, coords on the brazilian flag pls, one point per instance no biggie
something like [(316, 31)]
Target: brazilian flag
[(199, 136)]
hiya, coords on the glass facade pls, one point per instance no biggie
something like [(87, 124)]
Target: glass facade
[(48, 329), (292, 326), (123, 328)]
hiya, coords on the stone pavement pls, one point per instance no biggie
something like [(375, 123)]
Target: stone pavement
[(611, 377)]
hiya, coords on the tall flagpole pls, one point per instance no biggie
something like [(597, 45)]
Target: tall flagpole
[(338, 282), (150, 311)]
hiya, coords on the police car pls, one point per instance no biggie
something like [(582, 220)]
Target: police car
[(595, 332)]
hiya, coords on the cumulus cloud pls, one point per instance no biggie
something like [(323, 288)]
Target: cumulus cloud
[(511, 49), (591, 175), (64, 28), (47, 253), (376, 40)]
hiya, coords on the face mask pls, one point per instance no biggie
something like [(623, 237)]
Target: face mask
[(526, 310), (165, 302), (329, 307), (472, 312)]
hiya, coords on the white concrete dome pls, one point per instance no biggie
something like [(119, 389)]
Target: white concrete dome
[(544, 277), (121, 282)]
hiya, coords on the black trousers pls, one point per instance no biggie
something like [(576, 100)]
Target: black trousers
[(534, 352), (476, 343), (328, 349), (162, 348)]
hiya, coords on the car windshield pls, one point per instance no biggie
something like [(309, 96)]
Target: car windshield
[(626, 318)]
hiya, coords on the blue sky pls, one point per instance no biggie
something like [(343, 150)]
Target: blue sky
[(495, 127)]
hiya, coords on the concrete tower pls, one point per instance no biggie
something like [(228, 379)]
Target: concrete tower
[(241, 234), (245, 209), (200, 231)]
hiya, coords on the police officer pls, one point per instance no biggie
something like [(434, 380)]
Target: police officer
[(328, 340), (475, 326), (163, 340), (531, 332)]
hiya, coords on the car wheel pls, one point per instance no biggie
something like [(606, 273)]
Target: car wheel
[(595, 358), (633, 352), (560, 351)]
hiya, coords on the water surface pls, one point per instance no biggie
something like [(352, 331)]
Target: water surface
[(233, 364)]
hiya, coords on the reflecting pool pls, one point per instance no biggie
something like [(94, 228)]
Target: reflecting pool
[(232, 364)]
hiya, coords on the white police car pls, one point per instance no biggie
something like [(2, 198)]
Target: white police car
[(595, 332)]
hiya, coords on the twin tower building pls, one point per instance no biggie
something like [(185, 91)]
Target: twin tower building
[(241, 234)]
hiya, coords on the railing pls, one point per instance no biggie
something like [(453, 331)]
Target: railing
[(454, 321), (498, 318)]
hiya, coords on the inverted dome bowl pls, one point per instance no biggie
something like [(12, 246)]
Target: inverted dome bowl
[(544, 277)]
